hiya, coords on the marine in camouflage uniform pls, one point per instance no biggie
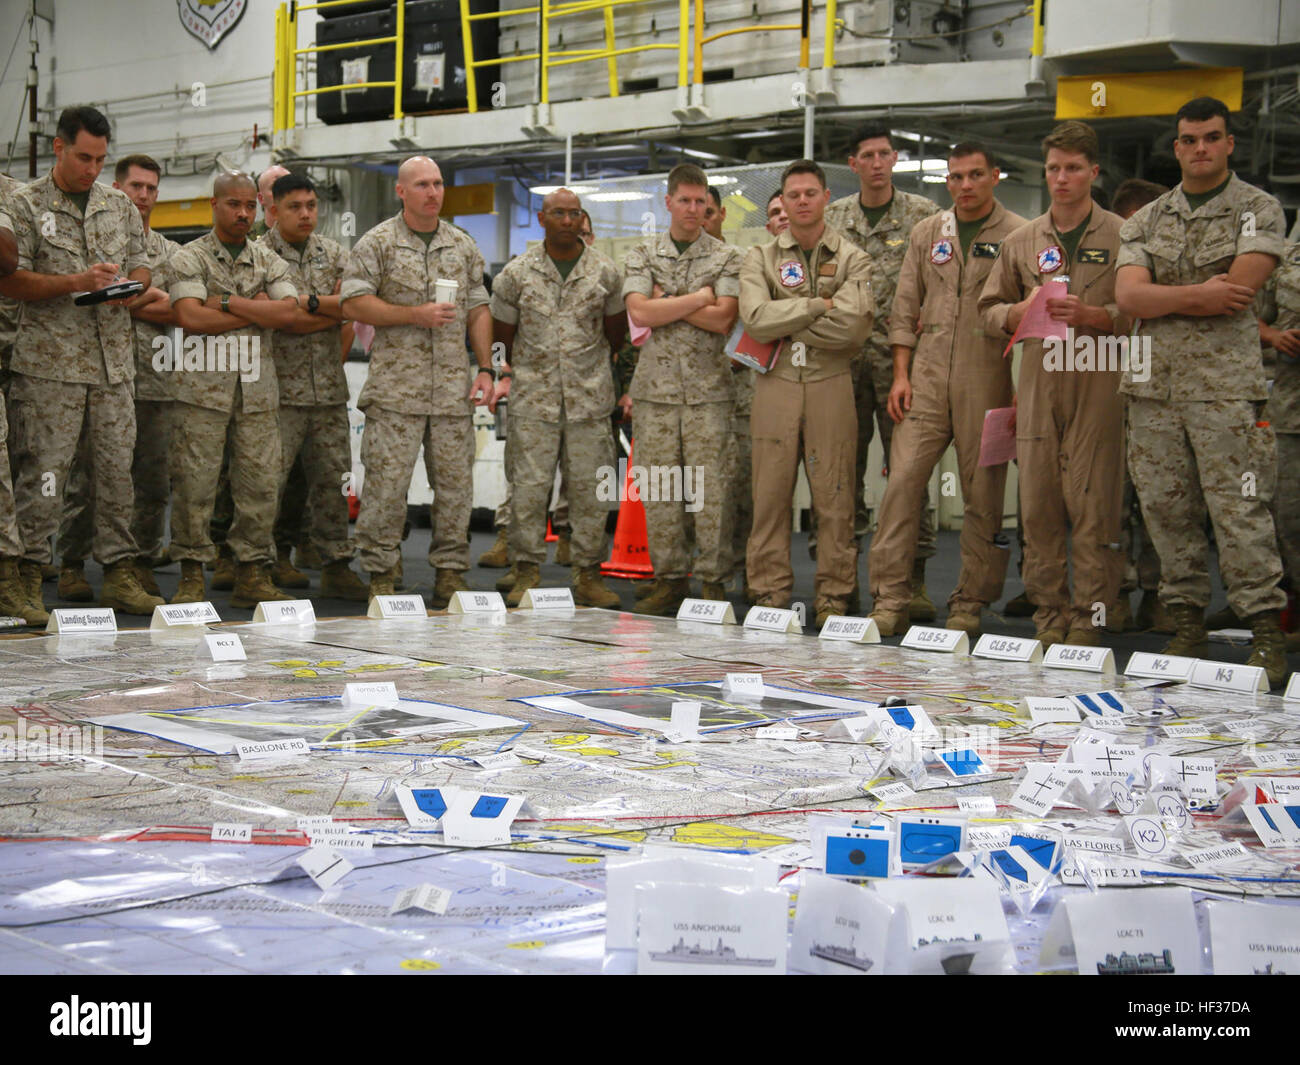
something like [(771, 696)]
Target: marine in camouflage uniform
[(1280, 329), (417, 391), (216, 297), (73, 366), (683, 400), (557, 330), (873, 367), (1195, 439)]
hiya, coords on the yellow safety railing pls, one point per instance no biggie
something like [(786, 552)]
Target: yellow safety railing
[(804, 27), (285, 74)]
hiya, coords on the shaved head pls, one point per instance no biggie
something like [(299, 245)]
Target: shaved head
[(420, 188), (417, 164), (229, 180), (268, 177), (561, 198)]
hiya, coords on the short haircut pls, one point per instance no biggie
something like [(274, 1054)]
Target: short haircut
[(287, 183), (585, 216), (144, 162), (1202, 109), (686, 174), (775, 196), (715, 196), (803, 166), (1133, 193), (965, 148), (869, 131), (1075, 137), (74, 119)]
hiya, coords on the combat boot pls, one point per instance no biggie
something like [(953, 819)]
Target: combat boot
[(1223, 619), (49, 572), (507, 580), (1190, 639), (666, 597), (498, 555), (1119, 618), (964, 621), (828, 608), (447, 584), (337, 581), (1270, 646), (398, 575), (29, 573), (1161, 620), (144, 574), (223, 576), (853, 605), (713, 590), (73, 585), (191, 589), (283, 573), (1083, 636), (308, 557), (383, 583), (563, 551), (122, 591), (1050, 636), (921, 608), (589, 589), (1019, 607), (253, 585), (13, 596), (890, 622), (527, 575)]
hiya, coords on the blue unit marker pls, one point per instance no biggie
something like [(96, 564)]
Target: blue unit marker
[(963, 763), (489, 806), (857, 856), (429, 801), (924, 840), (1043, 851), (902, 716)]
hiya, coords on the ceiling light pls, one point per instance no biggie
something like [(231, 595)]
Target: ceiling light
[(546, 190), (617, 197), (934, 179), (722, 179)]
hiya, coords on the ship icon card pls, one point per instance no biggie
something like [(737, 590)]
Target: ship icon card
[(844, 929), (707, 929), (1126, 933)]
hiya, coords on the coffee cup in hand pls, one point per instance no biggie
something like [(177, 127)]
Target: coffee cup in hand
[(444, 291)]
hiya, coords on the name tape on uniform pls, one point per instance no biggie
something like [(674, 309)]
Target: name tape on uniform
[(173, 615), (396, 607), (223, 647), (850, 630), (293, 612), (477, 603), (1227, 677), (772, 619), (1167, 667), (1068, 656), (88, 619), (950, 641), (711, 611), (547, 599), (1008, 648)]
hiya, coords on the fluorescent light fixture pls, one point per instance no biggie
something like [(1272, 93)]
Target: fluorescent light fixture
[(722, 179), (934, 179), (911, 166), (618, 197), (546, 190)]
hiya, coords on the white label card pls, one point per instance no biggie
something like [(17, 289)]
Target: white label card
[(1249, 939), (1215, 856), (859, 728), (477, 603), (984, 805), (396, 607), (851, 630), (423, 897), (684, 723), (224, 832), (1229, 677), (1147, 834), (710, 611), (895, 792), (224, 647), (424, 807), (171, 615), (1186, 730), (949, 641), (777, 732), (1040, 789), (1008, 648), (547, 599), (1275, 825), (272, 749), (772, 619), (291, 612), (947, 910), (325, 867), (474, 818), (500, 760), (1050, 711), (1167, 667), (86, 619), (370, 693), (1092, 659), (744, 686), (1293, 689)]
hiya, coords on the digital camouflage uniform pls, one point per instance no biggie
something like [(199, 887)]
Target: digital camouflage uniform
[(73, 366), (211, 402), (804, 406), (1069, 426), (683, 405), (958, 373), (11, 545), (1280, 308), (562, 393), (873, 367), (149, 473), (1195, 442), (314, 397), (8, 307), (416, 392)]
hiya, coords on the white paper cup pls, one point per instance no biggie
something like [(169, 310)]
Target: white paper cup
[(444, 291)]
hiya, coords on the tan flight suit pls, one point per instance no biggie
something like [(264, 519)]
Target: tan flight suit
[(1069, 423), (807, 397), (958, 373)]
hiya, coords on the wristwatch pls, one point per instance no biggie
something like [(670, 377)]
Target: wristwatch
[(313, 303), (225, 302)]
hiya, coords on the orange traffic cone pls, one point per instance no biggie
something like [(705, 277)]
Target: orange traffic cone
[(631, 554), (550, 533)]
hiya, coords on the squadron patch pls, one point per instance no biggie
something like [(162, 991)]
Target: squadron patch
[(940, 251), (1050, 259), (791, 273)]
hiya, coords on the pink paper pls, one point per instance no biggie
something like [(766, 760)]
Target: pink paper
[(998, 440), (1037, 322), (638, 334), (365, 335)]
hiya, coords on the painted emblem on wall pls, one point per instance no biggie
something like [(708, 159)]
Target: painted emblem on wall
[(210, 20)]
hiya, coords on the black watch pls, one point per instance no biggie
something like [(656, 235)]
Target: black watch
[(313, 303), (225, 302)]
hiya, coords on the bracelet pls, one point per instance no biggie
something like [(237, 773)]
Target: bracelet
[(225, 302), (504, 374), (484, 369)]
